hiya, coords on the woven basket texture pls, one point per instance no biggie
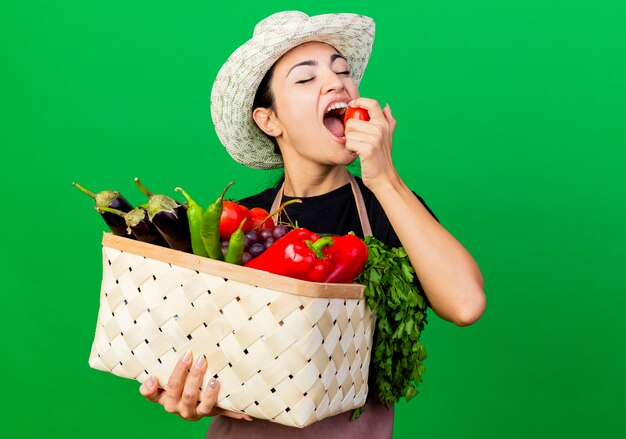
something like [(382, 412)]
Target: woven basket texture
[(279, 355)]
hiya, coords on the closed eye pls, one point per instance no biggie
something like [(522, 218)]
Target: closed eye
[(304, 81)]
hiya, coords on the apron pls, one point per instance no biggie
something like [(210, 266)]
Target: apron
[(375, 422), (358, 198)]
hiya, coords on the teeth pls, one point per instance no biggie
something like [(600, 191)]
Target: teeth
[(336, 106)]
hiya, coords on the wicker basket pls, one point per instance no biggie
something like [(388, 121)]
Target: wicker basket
[(285, 350)]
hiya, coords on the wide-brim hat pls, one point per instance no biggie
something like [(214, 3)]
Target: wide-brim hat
[(238, 80)]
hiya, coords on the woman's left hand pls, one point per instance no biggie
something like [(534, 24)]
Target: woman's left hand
[(372, 141)]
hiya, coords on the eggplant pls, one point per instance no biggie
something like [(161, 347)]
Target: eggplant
[(169, 217), (112, 200), (138, 224)]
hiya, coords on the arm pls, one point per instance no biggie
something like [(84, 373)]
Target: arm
[(449, 275)]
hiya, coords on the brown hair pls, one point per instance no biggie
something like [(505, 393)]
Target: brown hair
[(265, 99)]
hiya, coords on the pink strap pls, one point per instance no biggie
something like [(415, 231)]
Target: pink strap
[(358, 198)]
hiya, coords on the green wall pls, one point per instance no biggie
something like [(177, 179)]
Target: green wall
[(511, 124)]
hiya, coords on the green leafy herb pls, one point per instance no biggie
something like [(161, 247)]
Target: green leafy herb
[(393, 293)]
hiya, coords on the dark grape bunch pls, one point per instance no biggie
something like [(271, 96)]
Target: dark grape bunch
[(258, 241)]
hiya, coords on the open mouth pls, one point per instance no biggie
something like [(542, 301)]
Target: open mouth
[(333, 119)]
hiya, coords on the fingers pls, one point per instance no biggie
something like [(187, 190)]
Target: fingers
[(182, 393), (150, 389), (376, 113), (371, 105), (390, 119), (209, 398), (176, 382), (379, 117), (236, 415), (372, 141), (363, 134), (191, 391)]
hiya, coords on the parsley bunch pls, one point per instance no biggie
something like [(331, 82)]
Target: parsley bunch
[(392, 292)]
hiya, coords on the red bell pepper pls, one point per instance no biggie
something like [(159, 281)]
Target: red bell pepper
[(298, 254), (349, 255), (302, 254)]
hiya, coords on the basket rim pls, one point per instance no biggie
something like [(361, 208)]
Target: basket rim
[(234, 272)]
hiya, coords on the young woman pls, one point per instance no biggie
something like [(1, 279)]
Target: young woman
[(277, 102)]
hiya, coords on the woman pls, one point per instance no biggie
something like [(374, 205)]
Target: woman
[(277, 102)]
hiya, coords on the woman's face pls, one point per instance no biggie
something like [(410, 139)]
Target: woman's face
[(312, 85)]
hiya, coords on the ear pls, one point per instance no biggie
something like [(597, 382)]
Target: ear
[(266, 120)]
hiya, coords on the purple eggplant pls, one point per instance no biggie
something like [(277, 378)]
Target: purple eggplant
[(138, 224), (169, 217), (112, 200)]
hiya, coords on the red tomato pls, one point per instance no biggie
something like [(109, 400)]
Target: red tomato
[(258, 214), (357, 113), (232, 216)]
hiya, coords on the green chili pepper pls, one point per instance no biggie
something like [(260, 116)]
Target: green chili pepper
[(194, 215), (236, 245), (210, 228)]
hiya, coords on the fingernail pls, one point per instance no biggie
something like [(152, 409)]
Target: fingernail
[(248, 418), (150, 381), (187, 356), (212, 382), (200, 361)]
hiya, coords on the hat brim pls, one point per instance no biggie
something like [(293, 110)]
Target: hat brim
[(237, 81)]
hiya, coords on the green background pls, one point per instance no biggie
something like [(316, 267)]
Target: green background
[(511, 125)]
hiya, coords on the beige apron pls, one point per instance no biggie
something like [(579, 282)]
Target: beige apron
[(358, 198)]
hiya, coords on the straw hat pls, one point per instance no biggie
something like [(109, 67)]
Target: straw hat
[(239, 78)]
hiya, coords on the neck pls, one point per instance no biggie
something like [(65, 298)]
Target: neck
[(310, 184)]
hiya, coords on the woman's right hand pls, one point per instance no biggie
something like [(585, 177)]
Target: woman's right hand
[(182, 393)]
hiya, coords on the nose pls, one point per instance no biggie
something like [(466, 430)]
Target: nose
[(331, 81)]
